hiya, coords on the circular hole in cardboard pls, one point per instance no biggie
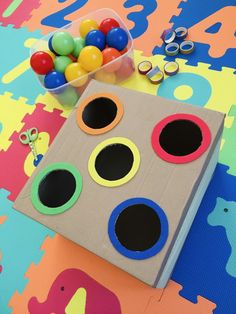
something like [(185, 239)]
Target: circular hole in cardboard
[(56, 188), (138, 228), (181, 138), (114, 162), (99, 113)]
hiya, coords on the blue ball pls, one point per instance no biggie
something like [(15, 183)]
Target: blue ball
[(96, 38), (54, 79), (50, 46), (117, 38)]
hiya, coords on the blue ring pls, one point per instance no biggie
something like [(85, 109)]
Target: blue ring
[(138, 255)]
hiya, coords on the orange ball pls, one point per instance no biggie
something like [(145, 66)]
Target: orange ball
[(110, 54)]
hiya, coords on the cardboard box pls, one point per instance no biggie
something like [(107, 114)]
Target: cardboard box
[(125, 176)]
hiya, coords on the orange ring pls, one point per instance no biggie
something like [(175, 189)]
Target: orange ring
[(84, 103)]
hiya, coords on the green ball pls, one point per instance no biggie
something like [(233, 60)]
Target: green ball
[(63, 43), (61, 62), (69, 97), (79, 45)]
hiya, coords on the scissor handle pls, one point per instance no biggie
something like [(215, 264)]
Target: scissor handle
[(29, 136), (33, 134)]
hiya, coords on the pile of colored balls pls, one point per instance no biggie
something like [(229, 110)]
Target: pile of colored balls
[(71, 59)]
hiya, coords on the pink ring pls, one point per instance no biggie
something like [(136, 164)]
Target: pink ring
[(206, 138)]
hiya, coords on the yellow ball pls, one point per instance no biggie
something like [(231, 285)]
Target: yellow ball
[(105, 77), (49, 52), (90, 58), (74, 71), (86, 26)]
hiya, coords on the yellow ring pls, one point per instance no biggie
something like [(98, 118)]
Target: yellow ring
[(114, 140)]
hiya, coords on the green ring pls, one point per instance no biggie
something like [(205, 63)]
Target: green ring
[(41, 175)]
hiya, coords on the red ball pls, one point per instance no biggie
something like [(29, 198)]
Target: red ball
[(123, 51), (73, 59), (110, 54), (41, 62), (107, 24)]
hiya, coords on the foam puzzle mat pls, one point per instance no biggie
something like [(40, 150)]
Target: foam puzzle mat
[(35, 263)]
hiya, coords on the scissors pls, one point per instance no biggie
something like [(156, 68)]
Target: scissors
[(28, 138)]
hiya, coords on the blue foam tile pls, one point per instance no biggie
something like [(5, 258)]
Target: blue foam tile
[(201, 55), (202, 266), (193, 11), (58, 20), (140, 18)]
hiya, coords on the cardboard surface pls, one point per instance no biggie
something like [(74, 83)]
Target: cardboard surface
[(171, 186)]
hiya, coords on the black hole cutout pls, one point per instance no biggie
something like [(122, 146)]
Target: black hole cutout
[(138, 227), (180, 137), (62, 288), (99, 113), (56, 188), (114, 162), (226, 210)]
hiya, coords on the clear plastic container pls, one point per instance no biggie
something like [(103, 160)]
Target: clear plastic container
[(68, 94)]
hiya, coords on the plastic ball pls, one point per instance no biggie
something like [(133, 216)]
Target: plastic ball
[(107, 24), (73, 59), (41, 62), (63, 43), (90, 58), (110, 54), (86, 26), (74, 71), (126, 69), (79, 45), (105, 77), (50, 46), (69, 97), (53, 56), (54, 79), (96, 38), (61, 63), (122, 52), (117, 38)]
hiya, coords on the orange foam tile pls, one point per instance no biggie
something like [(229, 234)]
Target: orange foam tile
[(158, 20), (61, 254), (172, 303)]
